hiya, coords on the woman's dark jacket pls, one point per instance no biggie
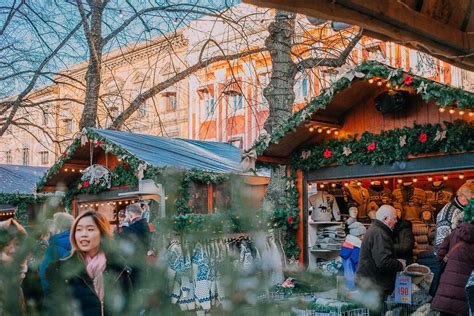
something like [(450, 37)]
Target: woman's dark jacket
[(70, 282), (404, 241), (377, 264), (451, 294)]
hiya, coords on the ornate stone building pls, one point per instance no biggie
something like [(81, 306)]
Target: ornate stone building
[(224, 102)]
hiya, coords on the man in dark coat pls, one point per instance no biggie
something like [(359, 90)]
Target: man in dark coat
[(404, 241), (135, 236), (450, 297), (377, 264)]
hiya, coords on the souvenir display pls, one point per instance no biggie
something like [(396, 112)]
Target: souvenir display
[(360, 196), (324, 207), (411, 199), (438, 196), (379, 194)]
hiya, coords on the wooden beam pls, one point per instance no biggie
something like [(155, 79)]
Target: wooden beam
[(275, 160), (393, 20)]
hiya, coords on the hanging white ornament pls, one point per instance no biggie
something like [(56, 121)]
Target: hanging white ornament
[(347, 71), (440, 135), (141, 170), (305, 154), (403, 140), (393, 73), (97, 175), (83, 136), (422, 88), (346, 151), (264, 136)]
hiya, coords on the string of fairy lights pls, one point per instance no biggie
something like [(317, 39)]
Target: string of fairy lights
[(386, 181), (114, 203)]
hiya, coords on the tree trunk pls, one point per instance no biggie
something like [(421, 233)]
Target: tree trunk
[(280, 96), (94, 69)]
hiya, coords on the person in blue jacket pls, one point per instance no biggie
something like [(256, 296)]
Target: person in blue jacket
[(59, 245), (350, 253)]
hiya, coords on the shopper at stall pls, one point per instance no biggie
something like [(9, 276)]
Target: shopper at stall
[(137, 229), (378, 265), (450, 298), (94, 275), (404, 241), (449, 216), (59, 245), (350, 251)]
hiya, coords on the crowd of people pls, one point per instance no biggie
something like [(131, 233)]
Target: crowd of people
[(386, 249), (86, 259)]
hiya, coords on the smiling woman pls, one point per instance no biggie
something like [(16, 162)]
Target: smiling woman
[(92, 270)]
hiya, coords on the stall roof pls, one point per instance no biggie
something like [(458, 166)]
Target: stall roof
[(333, 103), (19, 179), (443, 29), (177, 152)]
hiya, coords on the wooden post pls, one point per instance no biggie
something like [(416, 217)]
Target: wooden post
[(73, 207), (299, 234), (210, 200)]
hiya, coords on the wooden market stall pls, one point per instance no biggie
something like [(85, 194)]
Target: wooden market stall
[(378, 135), (106, 170), (17, 185)]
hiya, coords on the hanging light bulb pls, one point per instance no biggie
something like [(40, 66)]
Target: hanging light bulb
[(333, 185), (311, 129), (441, 110), (359, 183), (336, 132), (385, 181), (471, 113), (320, 130), (415, 180), (399, 180), (328, 131), (445, 177), (372, 182), (430, 179), (73, 170), (388, 85), (461, 176), (346, 184), (65, 169), (321, 185), (451, 111), (371, 80), (379, 83), (461, 112)]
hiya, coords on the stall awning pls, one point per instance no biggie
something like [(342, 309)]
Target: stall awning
[(19, 179), (426, 165)]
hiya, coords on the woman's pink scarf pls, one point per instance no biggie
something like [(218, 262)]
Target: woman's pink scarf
[(95, 267)]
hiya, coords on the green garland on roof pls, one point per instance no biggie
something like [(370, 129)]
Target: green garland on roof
[(21, 201), (388, 146), (429, 90)]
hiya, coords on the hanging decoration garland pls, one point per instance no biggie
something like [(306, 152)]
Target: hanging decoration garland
[(429, 90), (287, 219), (389, 146)]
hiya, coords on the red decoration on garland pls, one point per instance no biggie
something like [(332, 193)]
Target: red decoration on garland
[(85, 184), (125, 164), (289, 219), (408, 80), (423, 138), (327, 153), (100, 143), (63, 154), (371, 146)]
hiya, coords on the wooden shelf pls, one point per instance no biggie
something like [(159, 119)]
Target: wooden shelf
[(324, 223)]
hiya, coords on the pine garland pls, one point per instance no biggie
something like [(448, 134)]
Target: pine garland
[(388, 146), (429, 90), (287, 219)]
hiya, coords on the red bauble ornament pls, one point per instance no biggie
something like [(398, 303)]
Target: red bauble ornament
[(85, 184), (327, 153), (100, 143), (423, 138), (371, 146), (408, 80), (63, 154), (289, 220), (126, 165)]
